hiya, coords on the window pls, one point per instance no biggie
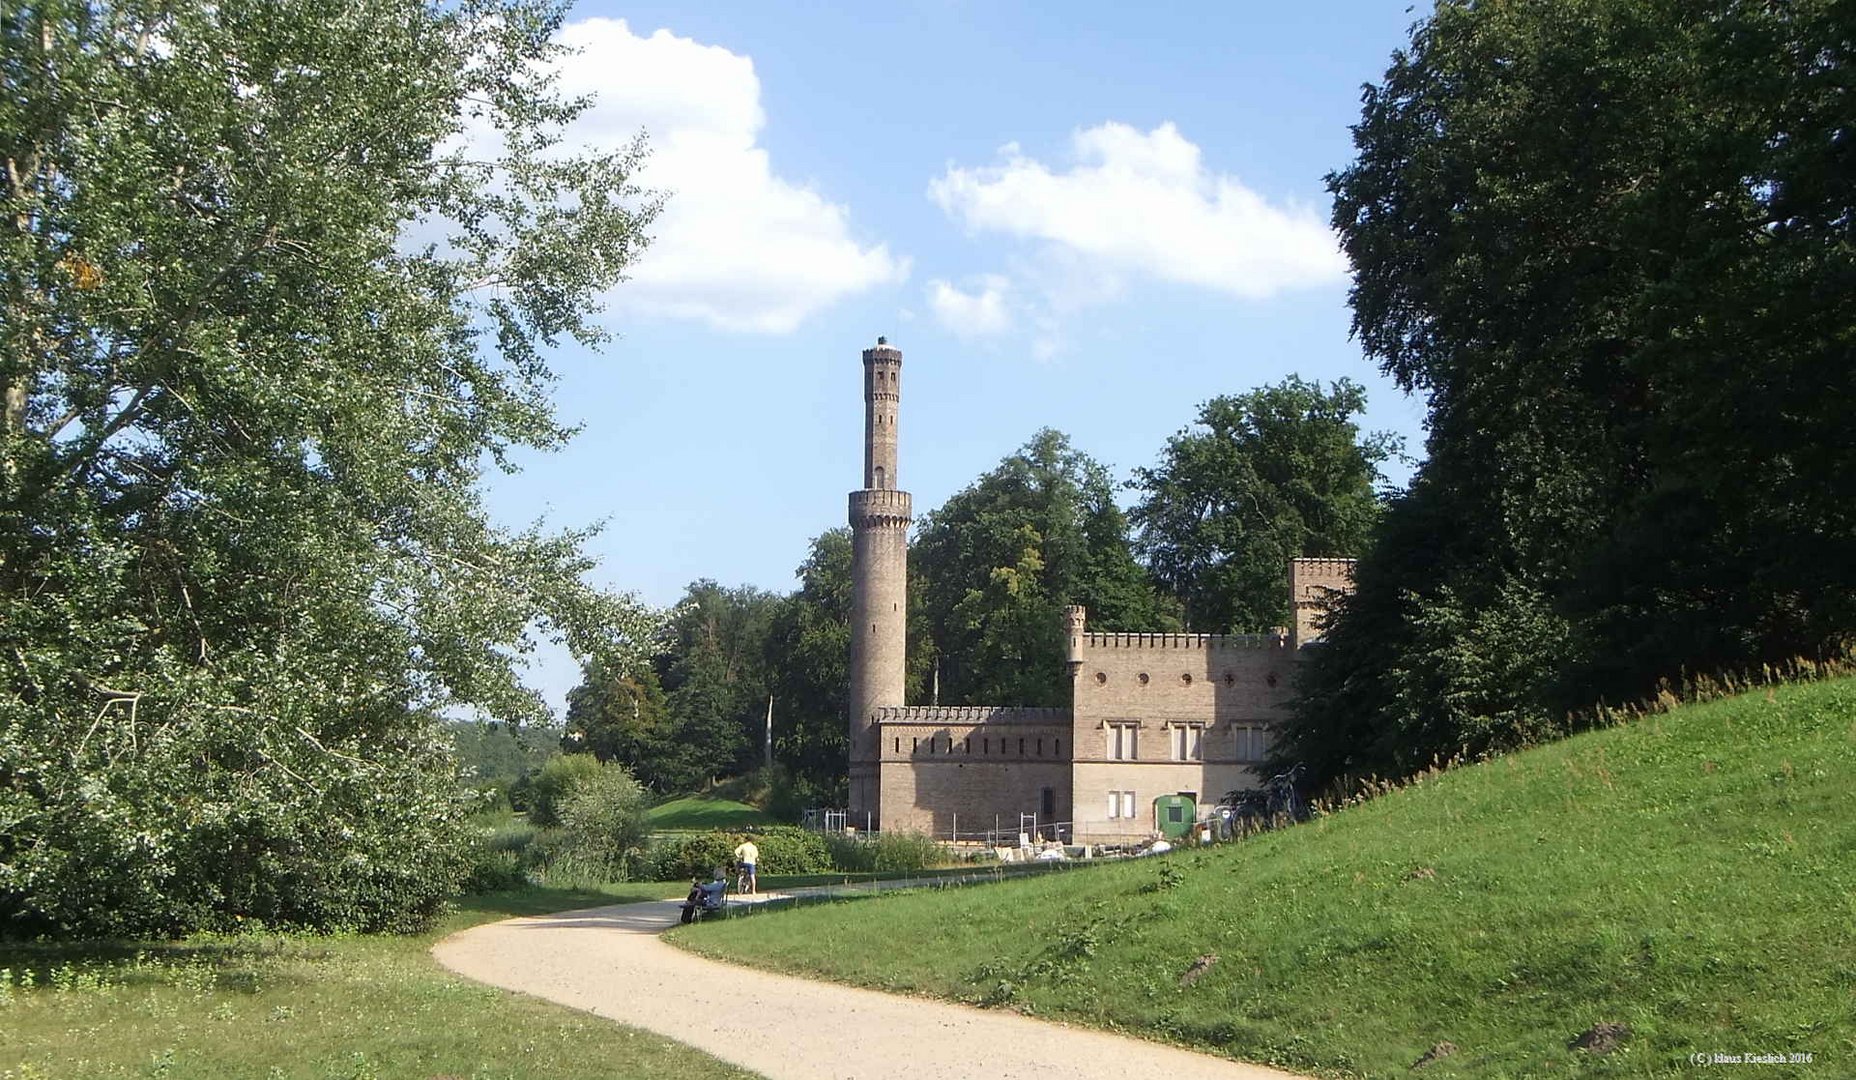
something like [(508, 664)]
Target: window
[(1252, 743), (1040, 746), (1124, 742), (1120, 805), (1127, 804), (1188, 742), (915, 745), (985, 744), (1021, 748)]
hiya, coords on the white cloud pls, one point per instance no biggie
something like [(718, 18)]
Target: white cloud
[(982, 313), (737, 246), (1146, 204)]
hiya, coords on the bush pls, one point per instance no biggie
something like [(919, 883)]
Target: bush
[(554, 782), (494, 870), (788, 849), (784, 849), (682, 858), (604, 825)]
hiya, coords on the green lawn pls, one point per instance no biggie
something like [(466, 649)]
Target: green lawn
[(696, 813), (316, 1008), (1692, 876)]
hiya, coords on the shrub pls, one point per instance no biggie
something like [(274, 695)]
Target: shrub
[(494, 870), (603, 825), (784, 849), (555, 781), (693, 856), (788, 849)]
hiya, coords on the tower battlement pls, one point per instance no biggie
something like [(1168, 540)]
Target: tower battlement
[(878, 508), (1199, 642)]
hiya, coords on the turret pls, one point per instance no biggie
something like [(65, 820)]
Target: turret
[(1074, 618)]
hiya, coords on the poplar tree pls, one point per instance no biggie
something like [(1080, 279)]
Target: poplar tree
[(276, 282)]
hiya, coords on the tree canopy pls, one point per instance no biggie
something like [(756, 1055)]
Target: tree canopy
[(274, 283), (1610, 242), (1001, 558), (1275, 474)]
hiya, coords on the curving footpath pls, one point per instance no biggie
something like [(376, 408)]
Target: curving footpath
[(608, 961)]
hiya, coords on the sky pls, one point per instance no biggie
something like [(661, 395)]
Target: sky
[(1091, 217)]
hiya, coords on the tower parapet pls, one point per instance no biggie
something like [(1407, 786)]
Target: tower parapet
[(880, 509)]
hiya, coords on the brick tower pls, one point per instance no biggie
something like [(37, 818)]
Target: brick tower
[(879, 578)]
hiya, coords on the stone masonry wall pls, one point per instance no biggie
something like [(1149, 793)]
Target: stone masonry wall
[(1224, 692)]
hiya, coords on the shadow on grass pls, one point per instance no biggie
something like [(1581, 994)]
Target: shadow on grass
[(544, 900), (241, 964)]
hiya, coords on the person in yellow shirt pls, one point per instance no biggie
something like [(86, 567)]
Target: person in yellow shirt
[(747, 856)]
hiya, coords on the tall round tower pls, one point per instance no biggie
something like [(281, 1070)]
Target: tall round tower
[(879, 578)]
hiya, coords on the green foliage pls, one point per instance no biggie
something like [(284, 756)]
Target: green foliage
[(884, 852), (701, 714), (502, 759), (619, 717), (784, 849), (1504, 907), (809, 655), (689, 856), (557, 781), (605, 820), (1610, 242), (1272, 475), (242, 415), (1000, 560)]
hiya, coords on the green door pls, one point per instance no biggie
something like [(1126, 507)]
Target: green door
[(1174, 815)]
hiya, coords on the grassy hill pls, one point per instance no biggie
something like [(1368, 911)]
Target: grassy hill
[(1691, 875), (694, 813)]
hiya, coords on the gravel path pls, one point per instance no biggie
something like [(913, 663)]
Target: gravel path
[(609, 962)]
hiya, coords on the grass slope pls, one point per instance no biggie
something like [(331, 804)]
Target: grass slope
[(696, 813), (328, 1008), (1690, 875)]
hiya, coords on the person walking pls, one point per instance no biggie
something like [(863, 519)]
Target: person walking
[(747, 855)]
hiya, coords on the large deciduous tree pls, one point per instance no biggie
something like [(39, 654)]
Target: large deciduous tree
[(1001, 558), (243, 559), (1611, 242), (1268, 476)]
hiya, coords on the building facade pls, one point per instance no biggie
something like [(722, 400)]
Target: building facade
[(1150, 714)]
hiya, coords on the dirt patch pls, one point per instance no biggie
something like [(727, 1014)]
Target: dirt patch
[(1436, 1053), (1601, 1038), (1199, 967)]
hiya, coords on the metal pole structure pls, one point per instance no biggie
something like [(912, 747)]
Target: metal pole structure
[(956, 829), (770, 732)]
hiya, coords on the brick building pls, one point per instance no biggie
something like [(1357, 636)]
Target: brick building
[(1150, 714)]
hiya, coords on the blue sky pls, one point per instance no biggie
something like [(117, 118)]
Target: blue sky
[(1087, 217)]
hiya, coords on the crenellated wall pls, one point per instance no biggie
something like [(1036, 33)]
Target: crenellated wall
[(1164, 714)]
